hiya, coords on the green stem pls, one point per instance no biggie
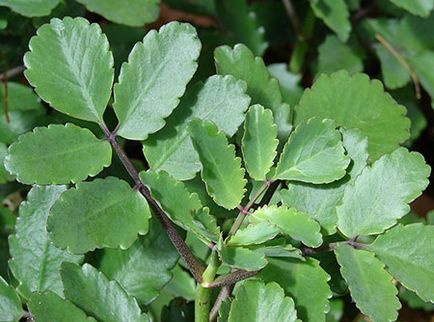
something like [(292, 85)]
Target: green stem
[(300, 49), (202, 304)]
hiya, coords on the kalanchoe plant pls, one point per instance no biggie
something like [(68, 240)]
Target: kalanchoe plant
[(251, 198)]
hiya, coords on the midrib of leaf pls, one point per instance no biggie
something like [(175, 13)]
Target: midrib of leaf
[(258, 141), (43, 267), (173, 147), (82, 86)]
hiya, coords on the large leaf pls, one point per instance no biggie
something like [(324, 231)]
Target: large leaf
[(134, 13), (259, 142), (320, 201), (242, 64), (103, 299), (102, 213), (144, 268), (71, 67), (31, 8), (314, 153), (370, 285), (35, 261), (57, 154), (258, 302), (10, 304), (381, 193), (154, 79), (416, 7), (221, 169), (171, 149), (335, 15), (305, 282), (48, 306), (408, 252), (357, 102)]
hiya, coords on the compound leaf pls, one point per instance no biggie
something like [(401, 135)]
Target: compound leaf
[(221, 99), (35, 261), (71, 67), (259, 142), (370, 285), (221, 170), (57, 154), (154, 78), (381, 193), (10, 303), (256, 301), (314, 153), (408, 252), (102, 213), (103, 299), (133, 13), (335, 15), (32, 8), (345, 98)]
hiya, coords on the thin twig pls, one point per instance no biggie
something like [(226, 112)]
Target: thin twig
[(232, 278), (194, 266), (402, 61), (292, 14), (224, 293), (11, 73)]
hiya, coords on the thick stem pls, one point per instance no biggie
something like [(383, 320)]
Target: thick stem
[(195, 268), (232, 278), (202, 304)]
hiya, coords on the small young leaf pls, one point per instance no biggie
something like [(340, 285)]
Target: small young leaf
[(314, 153), (259, 142), (71, 67), (258, 302), (221, 170), (102, 213), (254, 234), (154, 79), (417, 7), (291, 222), (57, 154), (10, 303), (370, 285), (305, 282), (103, 299), (381, 193), (344, 98), (35, 261), (243, 258), (335, 15), (34, 8), (171, 150), (48, 306), (408, 252), (144, 268), (133, 13)]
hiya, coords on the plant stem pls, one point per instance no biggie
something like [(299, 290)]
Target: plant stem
[(224, 293), (194, 266), (202, 303), (11, 73), (301, 46), (232, 278), (293, 18)]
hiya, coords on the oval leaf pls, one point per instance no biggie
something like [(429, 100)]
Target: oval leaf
[(34, 8), (10, 303)]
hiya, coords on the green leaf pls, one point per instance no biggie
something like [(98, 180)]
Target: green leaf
[(133, 13), (313, 153), (221, 100), (243, 258), (335, 15), (148, 91), (103, 213), (71, 67), (10, 304), (417, 7), (394, 74), (289, 82), (50, 307), (258, 302), (291, 222), (370, 285), (242, 64), (35, 261), (305, 282), (384, 122), (320, 201), (257, 233), (31, 8), (57, 154), (242, 25), (144, 268), (408, 252), (259, 142), (221, 170), (335, 55), (103, 299), (4, 175), (381, 193)]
